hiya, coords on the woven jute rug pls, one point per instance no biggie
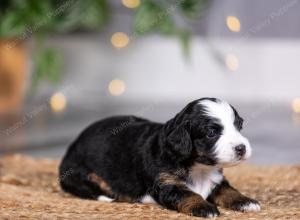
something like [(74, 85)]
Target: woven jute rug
[(30, 190)]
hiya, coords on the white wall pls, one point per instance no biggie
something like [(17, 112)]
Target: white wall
[(154, 68)]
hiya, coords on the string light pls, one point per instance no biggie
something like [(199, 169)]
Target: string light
[(58, 102), (131, 3), (232, 62), (233, 23), (119, 40), (116, 87), (296, 105)]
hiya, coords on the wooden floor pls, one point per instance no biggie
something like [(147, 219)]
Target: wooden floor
[(29, 189)]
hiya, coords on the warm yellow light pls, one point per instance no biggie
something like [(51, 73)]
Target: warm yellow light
[(58, 102), (233, 23), (119, 40), (232, 62), (296, 119), (116, 87), (131, 3), (296, 105)]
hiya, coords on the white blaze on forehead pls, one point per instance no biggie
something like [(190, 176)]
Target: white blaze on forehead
[(220, 110)]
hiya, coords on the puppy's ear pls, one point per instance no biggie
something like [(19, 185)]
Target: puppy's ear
[(180, 141)]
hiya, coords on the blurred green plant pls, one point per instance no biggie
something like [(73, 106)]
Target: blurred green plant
[(21, 19), (160, 16)]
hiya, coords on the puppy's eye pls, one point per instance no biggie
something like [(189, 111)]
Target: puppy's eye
[(211, 133)]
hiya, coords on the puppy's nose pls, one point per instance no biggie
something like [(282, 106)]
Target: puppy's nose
[(240, 150)]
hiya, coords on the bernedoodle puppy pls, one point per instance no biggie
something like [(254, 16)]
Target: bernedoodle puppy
[(177, 164)]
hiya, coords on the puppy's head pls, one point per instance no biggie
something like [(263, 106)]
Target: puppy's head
[(207, 131)]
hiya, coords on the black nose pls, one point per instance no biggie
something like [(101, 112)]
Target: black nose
[(240, 150)]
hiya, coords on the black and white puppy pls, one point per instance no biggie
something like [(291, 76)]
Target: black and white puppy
[(177, 164)]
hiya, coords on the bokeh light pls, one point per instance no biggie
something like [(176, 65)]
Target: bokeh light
[(131, 3), (119, 40), (116, 87), (233, 23), (58, 102), (296, 105), (232, 62)]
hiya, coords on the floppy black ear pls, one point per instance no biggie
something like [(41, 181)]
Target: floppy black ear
[(180, 141)]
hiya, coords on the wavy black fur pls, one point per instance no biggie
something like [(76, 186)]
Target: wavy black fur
[(131, 153)]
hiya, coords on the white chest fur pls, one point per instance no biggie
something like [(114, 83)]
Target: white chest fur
[(203, 179)]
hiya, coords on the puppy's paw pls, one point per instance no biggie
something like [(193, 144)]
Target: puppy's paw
[(206, 210), (246, 204)]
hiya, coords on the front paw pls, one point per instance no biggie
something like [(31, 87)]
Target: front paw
[(245, 204), (205, 210)]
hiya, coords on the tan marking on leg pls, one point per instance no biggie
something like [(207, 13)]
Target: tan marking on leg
[(108, 191), (188, 204), (126, 198), (170, 179), (226, 196), (102, 184)]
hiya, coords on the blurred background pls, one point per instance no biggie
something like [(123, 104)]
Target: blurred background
[(67, 63)]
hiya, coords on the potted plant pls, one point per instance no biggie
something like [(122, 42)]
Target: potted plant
[(22, 20)]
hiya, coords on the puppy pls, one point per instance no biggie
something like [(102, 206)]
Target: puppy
[(177, 164)]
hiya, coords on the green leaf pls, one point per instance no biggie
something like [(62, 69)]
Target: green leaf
[(151, 16), (144, 19), (166, 25), (48, 66), (94, 14), (185, 39), (193, 8), (11, 26), (79, 14)]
